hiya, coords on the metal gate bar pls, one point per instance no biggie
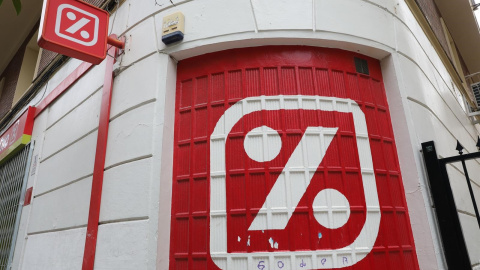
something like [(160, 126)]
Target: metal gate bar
[(454, 246), (444, 162), (29, 149), (12, 178)]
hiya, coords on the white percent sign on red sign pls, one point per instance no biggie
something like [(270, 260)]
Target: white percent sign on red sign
[(314, 149), (74, 28), (81, 26)]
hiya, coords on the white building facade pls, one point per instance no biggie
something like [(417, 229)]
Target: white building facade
[(151, 211)]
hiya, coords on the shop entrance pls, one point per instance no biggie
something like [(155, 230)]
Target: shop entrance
[(285, 159)]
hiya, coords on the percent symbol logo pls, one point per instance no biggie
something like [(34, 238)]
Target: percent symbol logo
[(338, 257), (77, 25)]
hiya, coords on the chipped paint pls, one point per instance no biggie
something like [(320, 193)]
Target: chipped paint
[(273, 244)]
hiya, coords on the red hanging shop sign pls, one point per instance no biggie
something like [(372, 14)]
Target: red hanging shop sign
[(286, 165), (74, 28), (17, 135)]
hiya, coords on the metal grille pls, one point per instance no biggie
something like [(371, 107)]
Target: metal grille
[(476, 92), (11, 184), (361, 65)]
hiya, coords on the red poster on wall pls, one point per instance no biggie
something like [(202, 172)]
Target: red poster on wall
[(285, 159)]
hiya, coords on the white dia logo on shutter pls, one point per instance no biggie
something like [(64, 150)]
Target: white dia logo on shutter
[(313, 145)]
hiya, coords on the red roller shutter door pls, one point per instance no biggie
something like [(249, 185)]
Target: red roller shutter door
[(285, 159)]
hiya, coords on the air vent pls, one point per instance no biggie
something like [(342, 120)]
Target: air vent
[(362, 66), (476, 92)]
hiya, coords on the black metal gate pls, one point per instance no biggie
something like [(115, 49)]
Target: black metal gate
[(453, 241)]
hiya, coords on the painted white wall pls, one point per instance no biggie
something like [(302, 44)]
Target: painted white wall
[(53, 234), (135, 213)]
